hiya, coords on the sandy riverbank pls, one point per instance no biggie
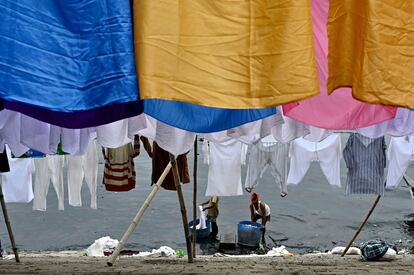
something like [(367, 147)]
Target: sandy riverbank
[(75, 263)]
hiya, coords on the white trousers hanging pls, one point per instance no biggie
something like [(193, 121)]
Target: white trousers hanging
[(82, 168), (260, 156), (48, 169), (400, 154), (327, 153)]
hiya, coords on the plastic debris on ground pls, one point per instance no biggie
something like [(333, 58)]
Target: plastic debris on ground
[(102, 246), (280, 251), (340, 249)]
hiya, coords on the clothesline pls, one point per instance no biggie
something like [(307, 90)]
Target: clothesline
[(288, 162)]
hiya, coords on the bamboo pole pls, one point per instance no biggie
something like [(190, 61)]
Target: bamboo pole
[(139, 215), (182, 206), (9, 229), (195, 198), (410, 183), (361, 226)]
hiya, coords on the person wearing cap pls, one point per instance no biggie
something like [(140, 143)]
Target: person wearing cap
[(212, 214), (259, 210)]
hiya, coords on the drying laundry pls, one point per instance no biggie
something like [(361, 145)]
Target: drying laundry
[(48, 169), (252, 132), (370, 50), (400, 154), (80, 169), (4, 162), (67, 57), (119, 171), (169, 138), (224, 168), (17, 184), (183, 115), (119, 133), (160, 160), (366, 160), (401, 125), (10, 132), (339, 111), (46, 137), (251, 54), (327, 153), (267, 153)]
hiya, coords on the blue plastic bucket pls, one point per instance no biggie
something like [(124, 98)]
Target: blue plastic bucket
[(201, 233), (249, 233)]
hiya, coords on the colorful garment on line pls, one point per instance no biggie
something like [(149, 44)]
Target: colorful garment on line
[(63, 57), (338, 111), (200, 119), (370, 49), (225, 54)]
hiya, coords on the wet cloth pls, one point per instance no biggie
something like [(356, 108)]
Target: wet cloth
[(48, 169), (160, 160), (67, 56), (119, 171), (251, 54), (401, 125), (339, 111), (83, 168), (17, 184), (327, 153), (365, 159), (262, 155), (370, 49), (224, 168), (400, 154)]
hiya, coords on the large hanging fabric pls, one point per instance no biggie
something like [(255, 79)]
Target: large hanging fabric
[(371, 45), (339, 111), (201, 119), (225, 54), (65, 57)]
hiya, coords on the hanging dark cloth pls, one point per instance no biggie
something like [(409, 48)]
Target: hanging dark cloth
[(4, 162), (160, 159)]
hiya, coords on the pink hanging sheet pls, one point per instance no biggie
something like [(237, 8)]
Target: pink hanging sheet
[(339, 111)]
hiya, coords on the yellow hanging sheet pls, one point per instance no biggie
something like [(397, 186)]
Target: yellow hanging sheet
[(225, 53), (371, 49)]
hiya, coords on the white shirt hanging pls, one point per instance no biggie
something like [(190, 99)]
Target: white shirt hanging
[(17, 184), (224, 172)]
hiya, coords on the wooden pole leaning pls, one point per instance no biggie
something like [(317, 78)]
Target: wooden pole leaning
[(195, 199), (8, 225), (361, 226), (182, 206), (139, 215)]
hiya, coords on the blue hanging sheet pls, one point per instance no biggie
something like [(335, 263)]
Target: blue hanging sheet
[(66, 56), (201, 119)]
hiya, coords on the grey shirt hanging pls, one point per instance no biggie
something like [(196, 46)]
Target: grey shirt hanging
[(365, 158)]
